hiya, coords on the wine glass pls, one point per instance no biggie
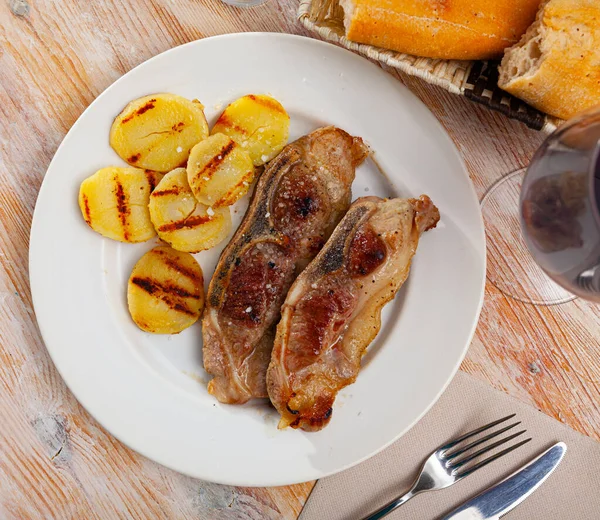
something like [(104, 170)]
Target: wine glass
[(548, 251)]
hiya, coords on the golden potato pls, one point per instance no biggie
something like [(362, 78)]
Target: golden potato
[(158, 131), (114, 202), (182, 221), (165, 293), (257, 123), (219, 171)]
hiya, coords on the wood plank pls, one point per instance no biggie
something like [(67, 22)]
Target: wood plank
[(55, 460)]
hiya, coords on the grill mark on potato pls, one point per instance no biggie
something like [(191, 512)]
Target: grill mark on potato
[(122, 208), (86, 208), (227, 122), (151, 286), (150, 176), (178, 127), (267, 103), (154, 288), (171, 191), (143, 325), (182, 308), (215, 162), (134, 158), (181, 269), (147, 106), (188, 223), (230, 194)]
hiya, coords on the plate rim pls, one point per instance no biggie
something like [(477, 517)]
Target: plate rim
[(482, 240)]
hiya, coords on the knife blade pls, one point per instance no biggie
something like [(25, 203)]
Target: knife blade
[(503, 497)]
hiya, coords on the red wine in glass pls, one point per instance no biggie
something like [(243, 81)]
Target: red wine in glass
[(560, 206)]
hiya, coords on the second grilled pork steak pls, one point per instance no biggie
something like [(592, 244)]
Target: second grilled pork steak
[(332, 311), (297, 202)]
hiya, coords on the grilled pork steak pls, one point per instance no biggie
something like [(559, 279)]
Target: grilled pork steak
[(332, 311), (298, 200)]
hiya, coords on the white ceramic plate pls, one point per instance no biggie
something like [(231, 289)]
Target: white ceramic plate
[(150, 391)]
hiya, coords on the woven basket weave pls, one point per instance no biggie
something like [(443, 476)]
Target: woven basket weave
[(477, 80)]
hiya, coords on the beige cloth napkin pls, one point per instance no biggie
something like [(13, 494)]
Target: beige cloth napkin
[(571, 492)]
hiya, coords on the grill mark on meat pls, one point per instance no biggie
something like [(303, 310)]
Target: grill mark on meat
[(296, 204), (305, 206)]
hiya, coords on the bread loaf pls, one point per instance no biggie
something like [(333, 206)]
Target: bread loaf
[(448, 29), (556, 65)]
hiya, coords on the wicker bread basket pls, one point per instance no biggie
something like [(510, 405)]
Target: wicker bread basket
[(477, 80)]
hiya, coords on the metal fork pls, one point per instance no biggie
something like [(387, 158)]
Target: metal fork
[(450, 463)]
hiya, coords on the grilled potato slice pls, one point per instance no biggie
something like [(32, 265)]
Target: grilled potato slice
[(259, 124), (158, 131), (182, 221), (219, 171), (114, 202), (165, 293)]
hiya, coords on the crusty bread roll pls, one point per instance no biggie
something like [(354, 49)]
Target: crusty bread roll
[(556, 65), (448, 29)]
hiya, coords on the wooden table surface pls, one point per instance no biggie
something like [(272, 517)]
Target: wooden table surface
[(56, 461)]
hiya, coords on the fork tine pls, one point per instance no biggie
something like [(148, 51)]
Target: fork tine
[(475, 432), (485, 462), (482, 440), (485, 449)]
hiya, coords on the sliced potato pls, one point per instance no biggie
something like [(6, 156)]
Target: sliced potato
[(259, 124), (165, 293), (114, 202), (158, 131), (219, 171), (182, 221)]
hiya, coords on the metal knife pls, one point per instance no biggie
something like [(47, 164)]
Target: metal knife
[(498, 500)]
